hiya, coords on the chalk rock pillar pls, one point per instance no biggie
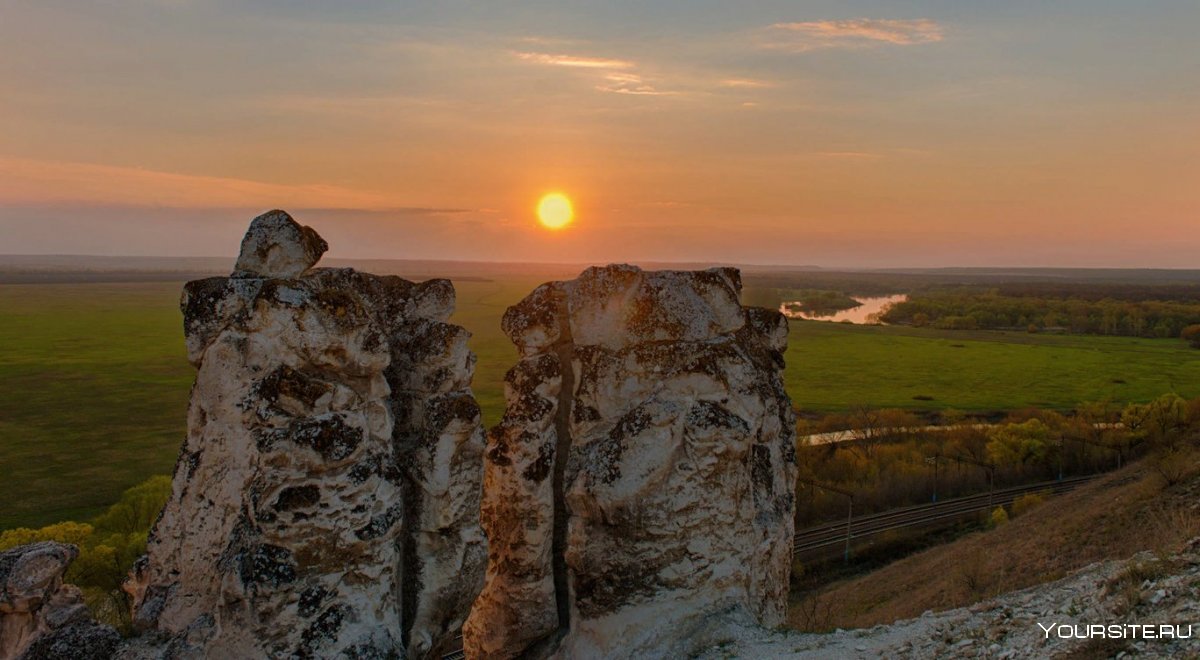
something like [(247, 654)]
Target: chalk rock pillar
[(639, 492), (325, 500)]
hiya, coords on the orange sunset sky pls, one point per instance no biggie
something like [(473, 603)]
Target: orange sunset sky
[(828, 133)]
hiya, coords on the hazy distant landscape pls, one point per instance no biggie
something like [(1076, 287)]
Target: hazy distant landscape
[(107, 358)]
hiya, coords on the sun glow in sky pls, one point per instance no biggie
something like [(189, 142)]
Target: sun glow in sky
[(836, 133), (554, 211)]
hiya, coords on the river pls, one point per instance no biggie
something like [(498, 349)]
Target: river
[(867, 312)]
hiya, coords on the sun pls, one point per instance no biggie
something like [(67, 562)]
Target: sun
[(554, 211)]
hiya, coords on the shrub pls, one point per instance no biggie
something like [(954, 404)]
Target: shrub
[(1018, 444), (108, 546), (998, 518), (976, 575), (1191, 334), (812, 614), (1176, 464), (63, 532), (1027, 502), (1161, 423), (137, 509)]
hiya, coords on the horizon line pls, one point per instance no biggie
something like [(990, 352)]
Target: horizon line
[(701, 262)]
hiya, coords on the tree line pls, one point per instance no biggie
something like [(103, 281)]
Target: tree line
[(972, 309), (108, 546), (890, 460)]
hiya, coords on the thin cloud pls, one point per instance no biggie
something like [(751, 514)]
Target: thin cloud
[(542, 40), (853, 33), (616, 76), (746, 83), (575, 61), (629, 83), (26, 181)]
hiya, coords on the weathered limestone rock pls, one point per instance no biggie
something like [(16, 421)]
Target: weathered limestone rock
[(40, 617), (278, 246), (638, 494), (325, 501)]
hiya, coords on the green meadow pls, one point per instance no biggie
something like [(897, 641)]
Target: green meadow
[(93, 395), (479, 308), (833, 366), (94, 384)]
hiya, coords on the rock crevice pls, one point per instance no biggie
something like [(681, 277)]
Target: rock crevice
[(564, 351)]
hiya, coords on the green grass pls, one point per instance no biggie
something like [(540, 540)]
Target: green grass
[(833, 366), (93, 395), (479, 309), (94, 384)]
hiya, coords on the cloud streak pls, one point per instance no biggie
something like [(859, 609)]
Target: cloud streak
[(623, 76), (746, 83), (575, 61), (616, 75), (853, 33), (629, 83), (26, 181)]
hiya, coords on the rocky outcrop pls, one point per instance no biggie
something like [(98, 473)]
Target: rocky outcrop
[(1147, 606), (40, 617), (278, 246), (638, 494), (326, 498)]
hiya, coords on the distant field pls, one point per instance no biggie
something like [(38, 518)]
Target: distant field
[(93, 393), (94, 385), (480, 307), (832, 366)]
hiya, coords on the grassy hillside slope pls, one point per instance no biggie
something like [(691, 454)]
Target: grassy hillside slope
[(1124, 513)]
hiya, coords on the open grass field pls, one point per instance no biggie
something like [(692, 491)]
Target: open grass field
[(479, 309), (94, 384), (833, 366), (93, 394)]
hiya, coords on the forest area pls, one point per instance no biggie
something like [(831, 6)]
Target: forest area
[(1036, 311), (894, 458)]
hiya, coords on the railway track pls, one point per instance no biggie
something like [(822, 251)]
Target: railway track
[(835, 533)]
